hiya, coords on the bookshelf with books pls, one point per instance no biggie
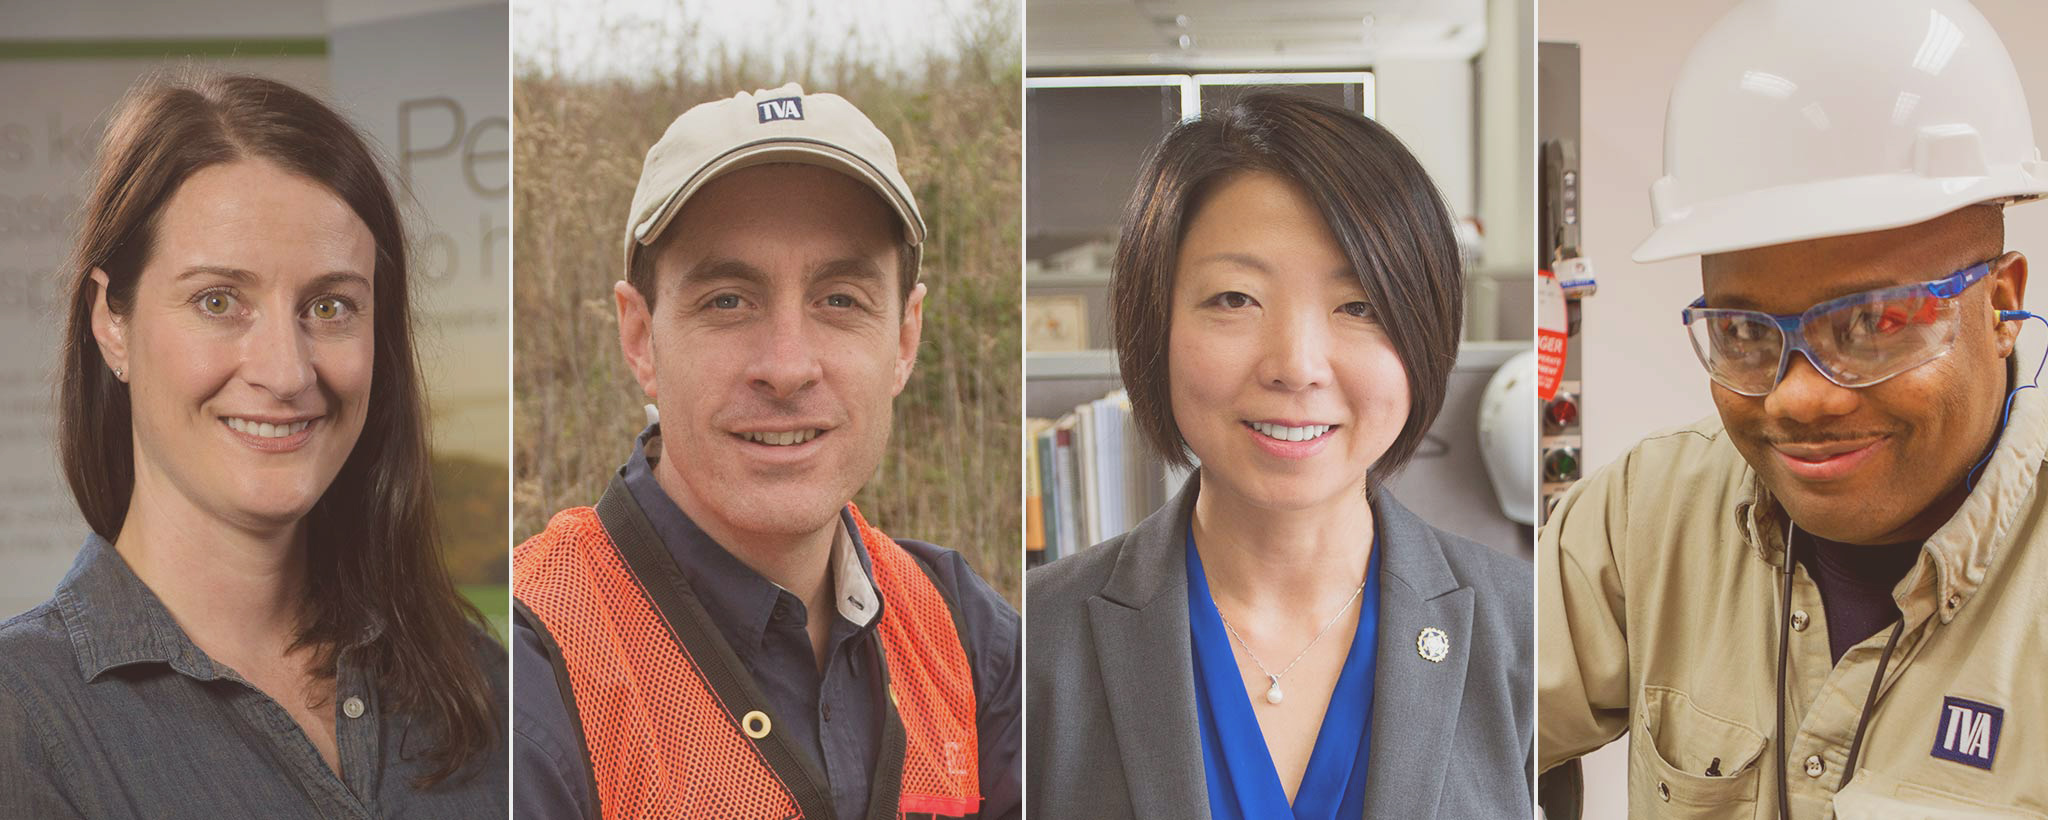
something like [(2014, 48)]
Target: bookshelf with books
[(1090, 476)]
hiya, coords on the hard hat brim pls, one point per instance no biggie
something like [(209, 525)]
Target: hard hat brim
[(1838, 207)]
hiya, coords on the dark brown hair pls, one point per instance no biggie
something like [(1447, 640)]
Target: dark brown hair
[(376, 584), (1387, 216)]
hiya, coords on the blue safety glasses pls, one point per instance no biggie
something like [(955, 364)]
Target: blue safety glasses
[(1855, 341)]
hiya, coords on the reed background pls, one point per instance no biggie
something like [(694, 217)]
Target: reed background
[(582, 125)]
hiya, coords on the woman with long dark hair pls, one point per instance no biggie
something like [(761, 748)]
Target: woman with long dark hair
[(260, 624)]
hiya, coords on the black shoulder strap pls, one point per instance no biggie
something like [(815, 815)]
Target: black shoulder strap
[(592, 808), (692, 628), (885, 790)]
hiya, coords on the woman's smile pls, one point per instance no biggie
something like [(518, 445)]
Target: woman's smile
[(282, 435), (1291, 441)]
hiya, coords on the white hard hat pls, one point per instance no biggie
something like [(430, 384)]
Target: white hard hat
[(1507, 436), (1800, 119)]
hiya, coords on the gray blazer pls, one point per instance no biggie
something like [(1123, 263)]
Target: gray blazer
[(1110, 690)]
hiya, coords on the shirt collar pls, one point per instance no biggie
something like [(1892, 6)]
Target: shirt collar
[(854, 592), (741, 601), (116, 620), (1967, 548)]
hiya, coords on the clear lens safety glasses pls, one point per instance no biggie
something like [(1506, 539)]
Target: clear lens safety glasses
[(1855, 341)]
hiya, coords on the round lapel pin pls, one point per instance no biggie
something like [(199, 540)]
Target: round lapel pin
[(1432, 644)]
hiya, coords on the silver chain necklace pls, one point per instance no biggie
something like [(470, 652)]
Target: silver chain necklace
[(1273, 693)]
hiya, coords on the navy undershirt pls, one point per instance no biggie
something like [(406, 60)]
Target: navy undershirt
[(1856, 583)]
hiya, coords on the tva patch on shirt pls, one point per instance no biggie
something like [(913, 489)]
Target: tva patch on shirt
[(1968, 732), (782, 108)]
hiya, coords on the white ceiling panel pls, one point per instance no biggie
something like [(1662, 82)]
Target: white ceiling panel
[(1220, 34)]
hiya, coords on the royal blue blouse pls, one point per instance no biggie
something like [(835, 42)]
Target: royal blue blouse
[(1241, 778)]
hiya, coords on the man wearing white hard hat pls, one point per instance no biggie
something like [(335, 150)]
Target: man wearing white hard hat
[(1826, 601), (724, 635)]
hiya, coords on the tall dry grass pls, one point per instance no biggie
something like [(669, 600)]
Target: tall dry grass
[(951, 474)]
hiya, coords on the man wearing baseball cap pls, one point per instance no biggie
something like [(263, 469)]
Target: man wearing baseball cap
[(723, 635), (1826, 602)]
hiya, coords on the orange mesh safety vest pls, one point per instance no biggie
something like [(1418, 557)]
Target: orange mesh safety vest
[(673, 724)]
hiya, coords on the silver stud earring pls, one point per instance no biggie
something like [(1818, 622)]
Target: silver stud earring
[(117, 372)]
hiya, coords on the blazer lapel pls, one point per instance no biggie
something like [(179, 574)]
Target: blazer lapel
[(1415, 700), (1143, 648)]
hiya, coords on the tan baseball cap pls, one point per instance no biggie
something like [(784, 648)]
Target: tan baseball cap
[(779, 125)]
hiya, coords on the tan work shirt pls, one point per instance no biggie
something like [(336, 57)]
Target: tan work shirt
[(1658, 603)]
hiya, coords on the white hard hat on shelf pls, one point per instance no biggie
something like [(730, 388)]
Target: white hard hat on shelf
[(1507, 436), (1800, 119)]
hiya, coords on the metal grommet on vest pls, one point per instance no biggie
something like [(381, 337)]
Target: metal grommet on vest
[(756, 724)]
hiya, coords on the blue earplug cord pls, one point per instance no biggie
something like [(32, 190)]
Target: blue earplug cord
[(2008, 316)]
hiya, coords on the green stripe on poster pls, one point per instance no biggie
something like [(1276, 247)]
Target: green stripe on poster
[(495, 600), (159, 49)]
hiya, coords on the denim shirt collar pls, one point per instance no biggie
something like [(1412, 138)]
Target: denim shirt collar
[(740, 600), (116, 620)]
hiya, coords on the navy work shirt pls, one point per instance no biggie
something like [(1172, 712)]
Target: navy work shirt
[(835, 715), (108, 710)]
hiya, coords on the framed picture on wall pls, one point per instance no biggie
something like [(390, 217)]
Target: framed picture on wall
[(1056, 323)]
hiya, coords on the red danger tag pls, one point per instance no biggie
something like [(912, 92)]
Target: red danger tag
[(1551, 323)]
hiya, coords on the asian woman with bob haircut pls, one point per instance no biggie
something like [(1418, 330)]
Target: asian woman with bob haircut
[(260, 624), (1283, 638)]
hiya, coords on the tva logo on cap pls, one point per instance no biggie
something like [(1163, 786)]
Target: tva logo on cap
[(785, 108)]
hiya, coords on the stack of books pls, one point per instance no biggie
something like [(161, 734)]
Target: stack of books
[(1089, 475)]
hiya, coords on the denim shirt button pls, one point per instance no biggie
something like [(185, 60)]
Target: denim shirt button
[(353, 707)]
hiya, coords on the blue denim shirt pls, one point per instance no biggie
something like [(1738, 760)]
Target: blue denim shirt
[(835, 715), (108, 710)]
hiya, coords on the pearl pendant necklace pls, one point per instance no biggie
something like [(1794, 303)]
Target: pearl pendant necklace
[(1274, 695)]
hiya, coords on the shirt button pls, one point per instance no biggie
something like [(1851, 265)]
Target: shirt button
[(1799, 620), (353, 707), (1664, 791), (1814, 766), (827, 709)]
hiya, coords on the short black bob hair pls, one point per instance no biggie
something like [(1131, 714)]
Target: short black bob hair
[(1387, 215)]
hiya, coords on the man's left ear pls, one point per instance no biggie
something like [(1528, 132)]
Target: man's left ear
[(908, 334), (2009, 292)]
